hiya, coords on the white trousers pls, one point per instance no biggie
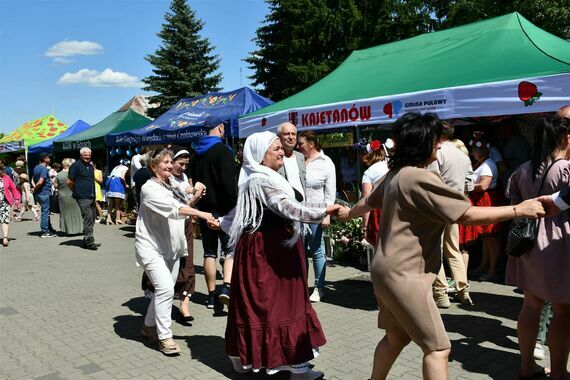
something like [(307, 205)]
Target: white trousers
[(163, 274)]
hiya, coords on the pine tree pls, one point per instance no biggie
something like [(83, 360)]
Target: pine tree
[(184, 65)]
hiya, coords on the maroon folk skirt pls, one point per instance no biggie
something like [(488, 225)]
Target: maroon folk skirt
[(271, 321)]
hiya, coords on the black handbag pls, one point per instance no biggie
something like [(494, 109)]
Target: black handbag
[(523, 232)]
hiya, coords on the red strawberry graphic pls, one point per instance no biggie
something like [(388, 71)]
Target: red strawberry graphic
[(387, 109), (528, 93), (263, 122)]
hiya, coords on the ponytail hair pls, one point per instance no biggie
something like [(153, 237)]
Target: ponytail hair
[(548, 138)]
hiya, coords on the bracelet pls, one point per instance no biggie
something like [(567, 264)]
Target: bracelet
[(515, 210)]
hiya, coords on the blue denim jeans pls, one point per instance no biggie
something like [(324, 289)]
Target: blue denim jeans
[(45, 223), (315, 245), (544, 323)]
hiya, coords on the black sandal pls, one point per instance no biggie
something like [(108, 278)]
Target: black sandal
[(5, 242)]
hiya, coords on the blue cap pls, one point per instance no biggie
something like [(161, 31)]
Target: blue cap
[(212, 121)]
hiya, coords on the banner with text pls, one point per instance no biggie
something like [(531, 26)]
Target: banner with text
[(533, 95)]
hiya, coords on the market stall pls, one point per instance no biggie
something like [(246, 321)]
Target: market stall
[(184, 121), (32, 132), (46, 145), (94, 137), (501, 66)]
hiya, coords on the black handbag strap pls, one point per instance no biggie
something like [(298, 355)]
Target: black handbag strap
[(544, 176)]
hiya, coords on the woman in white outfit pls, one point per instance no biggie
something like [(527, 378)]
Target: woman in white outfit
[(159, 244)]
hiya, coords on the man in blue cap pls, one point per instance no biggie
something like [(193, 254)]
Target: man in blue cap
[(214, 166)]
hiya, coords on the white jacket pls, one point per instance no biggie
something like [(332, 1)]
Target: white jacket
[(160, 228)]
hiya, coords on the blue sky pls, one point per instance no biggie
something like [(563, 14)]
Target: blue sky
[(84, 59)]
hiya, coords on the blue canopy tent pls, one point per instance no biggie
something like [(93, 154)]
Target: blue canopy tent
[(47, 145), (184, 122)]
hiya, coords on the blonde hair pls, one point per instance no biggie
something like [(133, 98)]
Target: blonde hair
[(67, 162), (460, 145), (157, 157)]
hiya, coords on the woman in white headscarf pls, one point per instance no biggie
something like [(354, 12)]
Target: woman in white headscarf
[(271, 323)]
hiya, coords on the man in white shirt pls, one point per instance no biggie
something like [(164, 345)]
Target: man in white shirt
[(294, 162), (454, 167), (320, 188)]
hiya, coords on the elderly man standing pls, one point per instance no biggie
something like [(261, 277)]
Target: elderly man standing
[(81, 180), (214, 166), (293, 169), (455, 169)]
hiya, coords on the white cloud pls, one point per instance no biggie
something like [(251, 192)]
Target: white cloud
[(63, 60), (70, 48), (106, 78)]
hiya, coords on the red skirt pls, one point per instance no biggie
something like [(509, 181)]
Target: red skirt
[(487, 198), (373, 226), (271, 321)]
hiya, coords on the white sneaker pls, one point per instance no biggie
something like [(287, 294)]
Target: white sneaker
[(318, 295), (539, 352), (309, 375)]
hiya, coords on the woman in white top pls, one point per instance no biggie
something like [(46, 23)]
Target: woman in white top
[(159, 244), (186, 281), (377, 160), (485, 193), (320, 188)]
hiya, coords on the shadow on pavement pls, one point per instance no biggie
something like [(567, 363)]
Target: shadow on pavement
[(351, 293), (137, 305), (130, 231), (469, 350), (129, 327), (35, 233), (73, 243), (499, 305), (210, 350)]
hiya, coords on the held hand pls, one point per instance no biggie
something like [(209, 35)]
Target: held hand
[(214, 224), (548, 204), (206, 216), (531, 208), (326, 222), (333, 209), (199, 188), (343, 213)]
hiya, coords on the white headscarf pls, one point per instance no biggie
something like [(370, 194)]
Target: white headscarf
[(251, 197)]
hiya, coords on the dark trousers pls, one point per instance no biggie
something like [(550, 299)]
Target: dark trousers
[(88, 212)]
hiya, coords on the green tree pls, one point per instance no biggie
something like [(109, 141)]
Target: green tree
[(301, 41), (550, 15), (184, 65)]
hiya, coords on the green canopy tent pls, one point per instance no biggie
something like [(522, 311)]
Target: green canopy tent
[(94, 137), (501, 66), (32, 132)]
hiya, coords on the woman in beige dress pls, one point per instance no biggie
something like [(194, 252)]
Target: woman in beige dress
[(416, 206)]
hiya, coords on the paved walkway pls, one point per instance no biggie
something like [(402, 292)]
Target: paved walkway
[(68, 313)]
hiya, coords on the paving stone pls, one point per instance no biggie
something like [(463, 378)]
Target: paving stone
[(88, 308)]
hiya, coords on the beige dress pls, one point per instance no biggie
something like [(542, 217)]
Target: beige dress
[(416, 206)]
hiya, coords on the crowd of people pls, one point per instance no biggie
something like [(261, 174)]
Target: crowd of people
[(427, 197)]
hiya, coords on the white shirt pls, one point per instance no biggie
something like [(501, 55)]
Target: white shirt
[(487, 169), (159, 228), (559, 202), (293, 176), (182, 183), (321, 180), (375, 172), (135, 165)]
